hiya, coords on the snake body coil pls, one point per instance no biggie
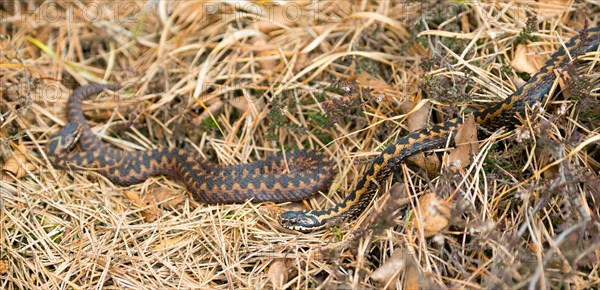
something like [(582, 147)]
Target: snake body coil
[(259, 181), (503, 114)]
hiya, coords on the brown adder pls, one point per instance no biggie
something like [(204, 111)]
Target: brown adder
[(282, 177)]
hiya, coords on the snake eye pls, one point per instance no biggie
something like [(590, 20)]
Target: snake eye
[(73, 142), (70, 135)]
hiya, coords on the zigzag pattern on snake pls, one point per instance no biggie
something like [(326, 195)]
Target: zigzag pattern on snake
[(282, 177)]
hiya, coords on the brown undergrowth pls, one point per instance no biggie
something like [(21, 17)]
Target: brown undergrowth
[(235, 81)]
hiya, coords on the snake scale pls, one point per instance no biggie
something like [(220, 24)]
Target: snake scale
[(263, 180), (307, 171)]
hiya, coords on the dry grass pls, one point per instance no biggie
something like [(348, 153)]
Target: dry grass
[(235, 87)]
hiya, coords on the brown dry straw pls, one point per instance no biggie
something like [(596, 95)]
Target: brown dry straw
[(236, 81)]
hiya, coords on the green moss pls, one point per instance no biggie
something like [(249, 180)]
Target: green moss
[(368, 65), (507, 69), (427, 64), (320, 119), (290, 147), (209, 123), (526, 33), (455, 44), (339, 236), (590, 114), (524, 76)]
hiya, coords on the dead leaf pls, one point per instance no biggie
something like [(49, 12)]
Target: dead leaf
[(134, 198), (467, 146), (161, 194), (273, 209), (3, 267), (367, 80), (390, 269), (412, 276), (5, 178), (432, 213), (563, 77), (151, 211), (416, 121), (518, 81), (379, 88), (543, 157), (278, 273), (526, 60), (430, 163), (18, 164), (398, 191)]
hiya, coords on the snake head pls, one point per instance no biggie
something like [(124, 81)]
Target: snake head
[(65, 140), (302, 221)]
